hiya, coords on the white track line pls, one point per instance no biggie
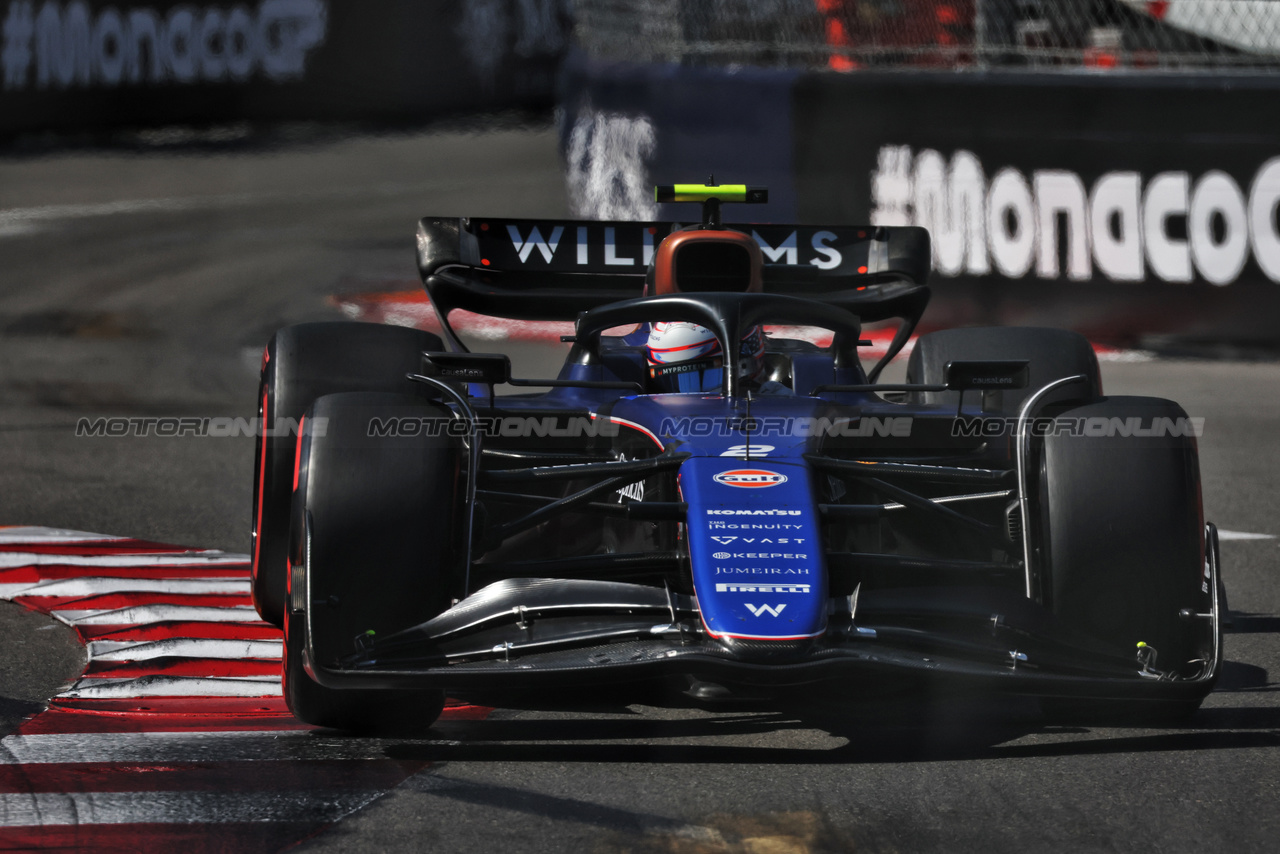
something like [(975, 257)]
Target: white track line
[(90, 808), (36, 535), (162, 748), (221, 648), (90, 586), (52, 213), (9, 560), (10, 217), (141, 615), (1243, 535), (174, 686)]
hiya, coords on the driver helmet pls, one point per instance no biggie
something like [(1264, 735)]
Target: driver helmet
[(686, 357)]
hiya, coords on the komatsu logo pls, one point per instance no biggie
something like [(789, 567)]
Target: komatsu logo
[(750, 478)]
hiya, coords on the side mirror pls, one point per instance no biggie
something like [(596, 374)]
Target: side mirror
[(987, 375), (486, 368)]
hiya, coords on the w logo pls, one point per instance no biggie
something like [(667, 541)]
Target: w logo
[(524, 248), (772, 610)]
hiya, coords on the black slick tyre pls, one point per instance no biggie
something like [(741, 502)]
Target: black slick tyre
[(300, 364), (376, 522), (1122, 538)]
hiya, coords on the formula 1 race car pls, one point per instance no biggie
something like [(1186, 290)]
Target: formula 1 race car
[(702, 494)]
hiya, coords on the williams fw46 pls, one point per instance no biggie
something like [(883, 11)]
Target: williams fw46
[(696, 494)]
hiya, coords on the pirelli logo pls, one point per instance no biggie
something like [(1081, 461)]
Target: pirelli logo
[(762, 588)]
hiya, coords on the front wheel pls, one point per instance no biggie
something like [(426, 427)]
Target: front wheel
[(374, 549), (1122, 537), (300, 364), (351, 709)]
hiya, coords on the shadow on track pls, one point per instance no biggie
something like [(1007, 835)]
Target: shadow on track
[(617, 724)]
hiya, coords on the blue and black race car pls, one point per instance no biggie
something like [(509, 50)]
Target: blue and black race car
[(694, 496)]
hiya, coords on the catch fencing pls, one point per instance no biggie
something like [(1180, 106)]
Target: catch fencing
[(1164, 35), (1140, 209)]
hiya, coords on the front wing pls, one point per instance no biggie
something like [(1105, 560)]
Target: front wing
[(591, 632)]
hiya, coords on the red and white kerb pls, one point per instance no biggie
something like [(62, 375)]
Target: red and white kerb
[(176, 735)]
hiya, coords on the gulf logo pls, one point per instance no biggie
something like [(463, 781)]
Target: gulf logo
[(750, 478)]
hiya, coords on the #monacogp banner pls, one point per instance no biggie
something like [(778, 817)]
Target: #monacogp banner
[(1138, 207), (80, 65)]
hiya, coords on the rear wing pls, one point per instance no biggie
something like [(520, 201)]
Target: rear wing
[(556, 269)]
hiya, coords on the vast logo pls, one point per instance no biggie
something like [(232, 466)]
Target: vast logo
[(724, 541), (771, 610), (750, 478)]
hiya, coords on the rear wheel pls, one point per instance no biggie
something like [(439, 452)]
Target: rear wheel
[(375, 526), (300, 364), (1121, 537)]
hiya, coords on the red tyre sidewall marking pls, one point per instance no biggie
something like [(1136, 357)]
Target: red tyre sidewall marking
[(262, 479)]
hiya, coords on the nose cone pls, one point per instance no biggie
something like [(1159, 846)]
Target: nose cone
[(770, 651), (758, 567)]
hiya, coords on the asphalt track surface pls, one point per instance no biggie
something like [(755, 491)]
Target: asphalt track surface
[(146, 282)]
